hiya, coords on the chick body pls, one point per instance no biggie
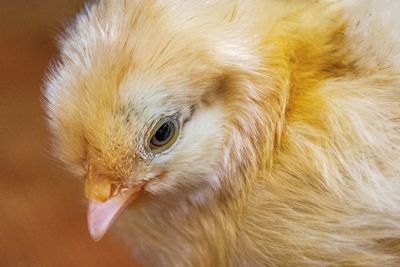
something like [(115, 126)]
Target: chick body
[(289, 149)]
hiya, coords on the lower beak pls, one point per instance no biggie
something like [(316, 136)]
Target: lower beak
[(101, 215)]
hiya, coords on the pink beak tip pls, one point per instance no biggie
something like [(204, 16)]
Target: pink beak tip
[(101, 216)]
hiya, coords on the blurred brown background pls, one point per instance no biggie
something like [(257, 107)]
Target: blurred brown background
[(42, 209)]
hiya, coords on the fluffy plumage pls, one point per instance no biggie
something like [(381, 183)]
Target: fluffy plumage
[(289, 154)]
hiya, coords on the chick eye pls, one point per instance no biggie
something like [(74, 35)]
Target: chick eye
[(164, 135)]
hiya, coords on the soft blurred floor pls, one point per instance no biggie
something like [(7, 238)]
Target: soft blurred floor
[(42, 211)]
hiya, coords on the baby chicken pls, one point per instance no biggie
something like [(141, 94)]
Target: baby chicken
[(235, 133)]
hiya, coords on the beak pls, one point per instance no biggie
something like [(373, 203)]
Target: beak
[(104, 205)]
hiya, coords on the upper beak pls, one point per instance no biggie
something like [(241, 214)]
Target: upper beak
[(104, 205)]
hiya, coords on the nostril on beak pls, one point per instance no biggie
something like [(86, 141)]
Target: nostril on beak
[(98, 190), (95, 188)]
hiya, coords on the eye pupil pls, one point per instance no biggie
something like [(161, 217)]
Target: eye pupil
[(164, 132)]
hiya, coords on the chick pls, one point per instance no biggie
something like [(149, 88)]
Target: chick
[(235, 133)]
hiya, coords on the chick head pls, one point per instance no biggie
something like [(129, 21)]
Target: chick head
[(137, 106)]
